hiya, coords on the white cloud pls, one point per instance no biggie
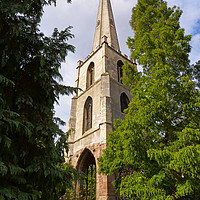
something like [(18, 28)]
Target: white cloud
[(63, 109), (195, 53), (81, 14), (190, 14)]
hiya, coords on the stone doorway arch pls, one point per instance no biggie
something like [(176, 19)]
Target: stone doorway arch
[(87, 164)]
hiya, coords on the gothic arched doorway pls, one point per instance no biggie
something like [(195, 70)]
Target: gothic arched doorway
[(87, 165)]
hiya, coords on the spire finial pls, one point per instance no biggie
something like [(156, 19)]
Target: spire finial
[(105, 26)]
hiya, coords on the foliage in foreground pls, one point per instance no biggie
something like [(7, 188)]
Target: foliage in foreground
[(155, 152), (29, 74)]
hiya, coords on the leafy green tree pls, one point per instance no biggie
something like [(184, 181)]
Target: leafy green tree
[(29, 87), (155, 152)]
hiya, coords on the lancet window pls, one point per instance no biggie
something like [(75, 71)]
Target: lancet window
[(90, 75), (124, 100), (120, 71), (87, 118)]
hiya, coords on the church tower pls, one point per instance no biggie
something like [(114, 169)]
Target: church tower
[(102, 99)]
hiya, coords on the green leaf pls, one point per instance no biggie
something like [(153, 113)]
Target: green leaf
[(154, 152), (3, 169)]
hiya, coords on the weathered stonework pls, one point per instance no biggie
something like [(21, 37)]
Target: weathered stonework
[(105, 93)]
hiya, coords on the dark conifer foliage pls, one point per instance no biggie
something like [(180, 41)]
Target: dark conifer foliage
[(155, 152), (29, 87)]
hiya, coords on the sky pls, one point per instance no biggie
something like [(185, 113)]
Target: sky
[(82, 14)]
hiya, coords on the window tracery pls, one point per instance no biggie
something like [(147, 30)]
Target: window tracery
[(90, 75), (87, 116)]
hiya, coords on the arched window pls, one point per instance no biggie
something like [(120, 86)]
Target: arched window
[(87, 164), (119, 70), (87, 116), (124, 101), (90, 75)]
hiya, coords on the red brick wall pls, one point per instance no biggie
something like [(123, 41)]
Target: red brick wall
[(104, 188)]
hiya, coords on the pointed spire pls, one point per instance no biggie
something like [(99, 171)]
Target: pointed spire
[(105, 26)]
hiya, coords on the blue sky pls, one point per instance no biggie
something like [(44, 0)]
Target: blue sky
[(81, 14)]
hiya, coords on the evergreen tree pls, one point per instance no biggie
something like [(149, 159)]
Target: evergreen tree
[(155, 152), (29, 87)]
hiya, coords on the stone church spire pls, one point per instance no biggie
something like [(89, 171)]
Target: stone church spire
[(105, 26), (102, 99)]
